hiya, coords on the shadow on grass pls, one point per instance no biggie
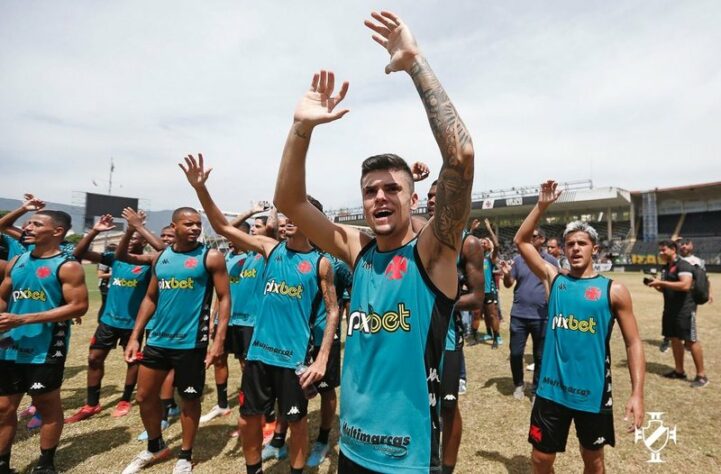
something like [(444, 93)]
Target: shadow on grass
[(503, 384), (653, 342), (74, 370), (73, 450), (516, 464), (74, 398), (658, 369)]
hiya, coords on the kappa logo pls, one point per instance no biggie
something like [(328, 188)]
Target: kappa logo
[(323, 384), (432, 399), (609, 403), (175, 284), (43, 272), (190, 262), (433, 376), (293, 411), (593, 293), (371, 323), (562, 287), (57, 354), (204, 338), (28, 294), (37, 386), (60, 344), (165, 261), (397, 268), (190, 390), (305, 267), (599, 441), (449, 397)]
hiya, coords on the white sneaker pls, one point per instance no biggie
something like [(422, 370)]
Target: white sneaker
[(183, 466), (531, 367), (462, 387), (214, 412), (518, 393), (145, 459)]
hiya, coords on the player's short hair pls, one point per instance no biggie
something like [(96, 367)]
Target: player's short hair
[(244, 226), (540, 232), (386, 161), (580, 226), (183, 210), (59, 218), (668, 243), (263, 219), (315, 202)]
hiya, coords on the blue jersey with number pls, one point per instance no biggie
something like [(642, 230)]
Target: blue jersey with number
[(126, 290), (185, 288), (342, 280), (291, 296), (576, 369), (390, 385), (36, 288), (247, 289)]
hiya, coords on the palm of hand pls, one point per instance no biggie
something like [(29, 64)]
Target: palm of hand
[(402, 47), (314, 107)]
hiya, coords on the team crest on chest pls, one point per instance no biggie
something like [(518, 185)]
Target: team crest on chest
[(304, 266), (397, 268), (191, 262), (593, 293), (43, 272)]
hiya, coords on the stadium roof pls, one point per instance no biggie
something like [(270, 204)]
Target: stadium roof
[(690, 192)]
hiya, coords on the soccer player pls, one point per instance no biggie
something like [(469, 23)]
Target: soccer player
[(575, 378), (296, 278), (471, 279), (178, 299), (43, 290), (404, 284), (127, 288)]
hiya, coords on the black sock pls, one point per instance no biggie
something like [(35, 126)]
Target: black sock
[(47, 457), (186, 454), (278, 440), (296, 471), (155, 445), (128, 392), (93, 395), (448, 469), (323, 436), (5, 463), (222, 394), (255, 468)]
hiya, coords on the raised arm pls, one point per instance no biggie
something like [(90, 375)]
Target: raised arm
[(136, 220), (197, 175), (7, 222), (219, 274), (494, 237), (256, 208), (623, 309), (75, 295), (317, 106), (122, 254), (81, 252), (316, 371), (542, 269)]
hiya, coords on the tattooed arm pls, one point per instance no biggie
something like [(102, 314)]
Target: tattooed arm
[(440, 246)]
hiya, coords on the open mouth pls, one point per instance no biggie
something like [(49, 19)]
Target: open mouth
[(381, 213)]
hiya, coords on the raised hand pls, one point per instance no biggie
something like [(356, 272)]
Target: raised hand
[(396, 37), (31, 203), (104, 224), (548, 194), (260, 206), (420, 171), (318, 104), (505, 266), (195, 171), (134, 219), (475, 224)]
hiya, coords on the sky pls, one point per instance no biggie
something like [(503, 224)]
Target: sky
[(627, 94)]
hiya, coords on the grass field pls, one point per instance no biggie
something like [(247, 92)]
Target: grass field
[(495, 424)]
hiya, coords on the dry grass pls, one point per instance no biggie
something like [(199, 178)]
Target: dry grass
[(495, 424)]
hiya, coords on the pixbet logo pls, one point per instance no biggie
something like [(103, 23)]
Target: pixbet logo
[(175, 284), (28, 294), (574, 324), (282, 288), (125, 283), (371, 323), (655, 436)]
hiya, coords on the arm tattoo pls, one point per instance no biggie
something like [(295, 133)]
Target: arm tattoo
[(456, 178)]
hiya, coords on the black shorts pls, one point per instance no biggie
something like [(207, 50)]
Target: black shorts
[(263, 384), (189, 365), (550, 423), (331, 379), (450, 379), (346, 466), (682, 326), (490, 298), (237, 341), (109, 337), (33, 379)]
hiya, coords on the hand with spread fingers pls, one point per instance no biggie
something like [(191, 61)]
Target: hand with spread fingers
[(319, 105), (548, 194), (31, 203), (396, 37), (195, 171), (104, 224)]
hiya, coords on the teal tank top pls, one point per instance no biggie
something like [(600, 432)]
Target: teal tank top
[(576, 368), (127, 288), (246, 287), (490, 282), (36, 288), (291, 295), (182, 313), (342, 280), (390, 384)]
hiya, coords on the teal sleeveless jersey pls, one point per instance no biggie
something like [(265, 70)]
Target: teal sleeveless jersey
[(128, 285), (14, 247), (182, 313), (390, 385), (36, 288), (342, 280), (490, 283), (234, 264), (289, 304), (246, 287), (576, 369)]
